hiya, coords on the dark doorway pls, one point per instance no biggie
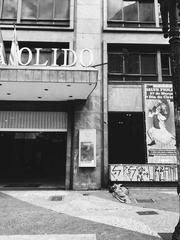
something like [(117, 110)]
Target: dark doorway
[(126, 138), (35, 156)]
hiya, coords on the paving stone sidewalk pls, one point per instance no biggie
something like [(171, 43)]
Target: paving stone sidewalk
[(163, 198), (95, 214)]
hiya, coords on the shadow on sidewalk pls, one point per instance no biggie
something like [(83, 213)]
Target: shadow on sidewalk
[(166, 236)]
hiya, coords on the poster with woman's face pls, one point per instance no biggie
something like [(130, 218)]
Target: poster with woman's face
[(160, 126)]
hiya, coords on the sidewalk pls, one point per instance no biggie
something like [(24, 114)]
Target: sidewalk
[(88, 215)]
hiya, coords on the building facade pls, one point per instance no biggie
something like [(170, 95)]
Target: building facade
[(90, 98), (140, 112)]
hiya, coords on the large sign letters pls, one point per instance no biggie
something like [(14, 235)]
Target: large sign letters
[(84, 58)]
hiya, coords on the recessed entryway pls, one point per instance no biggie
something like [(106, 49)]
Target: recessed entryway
[(29, 158)]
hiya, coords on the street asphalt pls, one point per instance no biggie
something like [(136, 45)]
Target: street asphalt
[(88, 215)]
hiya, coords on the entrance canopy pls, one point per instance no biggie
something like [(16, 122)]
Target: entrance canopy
[(46, 83)]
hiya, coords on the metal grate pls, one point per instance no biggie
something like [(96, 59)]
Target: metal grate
[(33, 120), (85, 194), (147, 213), (56, 198), (146, 200)]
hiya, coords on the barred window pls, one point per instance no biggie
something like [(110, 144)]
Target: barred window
[(138, 63), (131, 65)]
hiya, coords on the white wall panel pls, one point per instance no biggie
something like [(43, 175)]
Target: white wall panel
[(125, 98)]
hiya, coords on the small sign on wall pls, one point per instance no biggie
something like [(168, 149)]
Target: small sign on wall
[(87, 147)]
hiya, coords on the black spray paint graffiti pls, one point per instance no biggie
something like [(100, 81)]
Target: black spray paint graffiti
[(136, 173), (143, 173)]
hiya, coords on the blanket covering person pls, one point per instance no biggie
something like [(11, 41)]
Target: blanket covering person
[(120, 192)]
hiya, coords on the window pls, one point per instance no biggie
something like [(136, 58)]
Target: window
[(130, 64), (138, 63), (56, 12), (123, 13), (166, 67), (9, 9)]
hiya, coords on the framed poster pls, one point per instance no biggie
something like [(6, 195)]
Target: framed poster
[(87, 147), (160, 126)]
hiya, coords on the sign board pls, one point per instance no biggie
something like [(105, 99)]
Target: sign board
[(160, 126), (87, 148), (85, 57)]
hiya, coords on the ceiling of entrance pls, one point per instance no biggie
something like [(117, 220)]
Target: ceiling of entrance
[(44, 91)]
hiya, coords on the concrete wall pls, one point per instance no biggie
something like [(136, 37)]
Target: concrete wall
[(87, 115)]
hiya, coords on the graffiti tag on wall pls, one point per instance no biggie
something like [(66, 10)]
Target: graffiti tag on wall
[(143, 173)]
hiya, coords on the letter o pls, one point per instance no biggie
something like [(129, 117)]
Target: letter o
[(29, 58), (91, 57)]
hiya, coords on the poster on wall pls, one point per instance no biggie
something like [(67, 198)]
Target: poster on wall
[(87, 148), (160, 126)]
